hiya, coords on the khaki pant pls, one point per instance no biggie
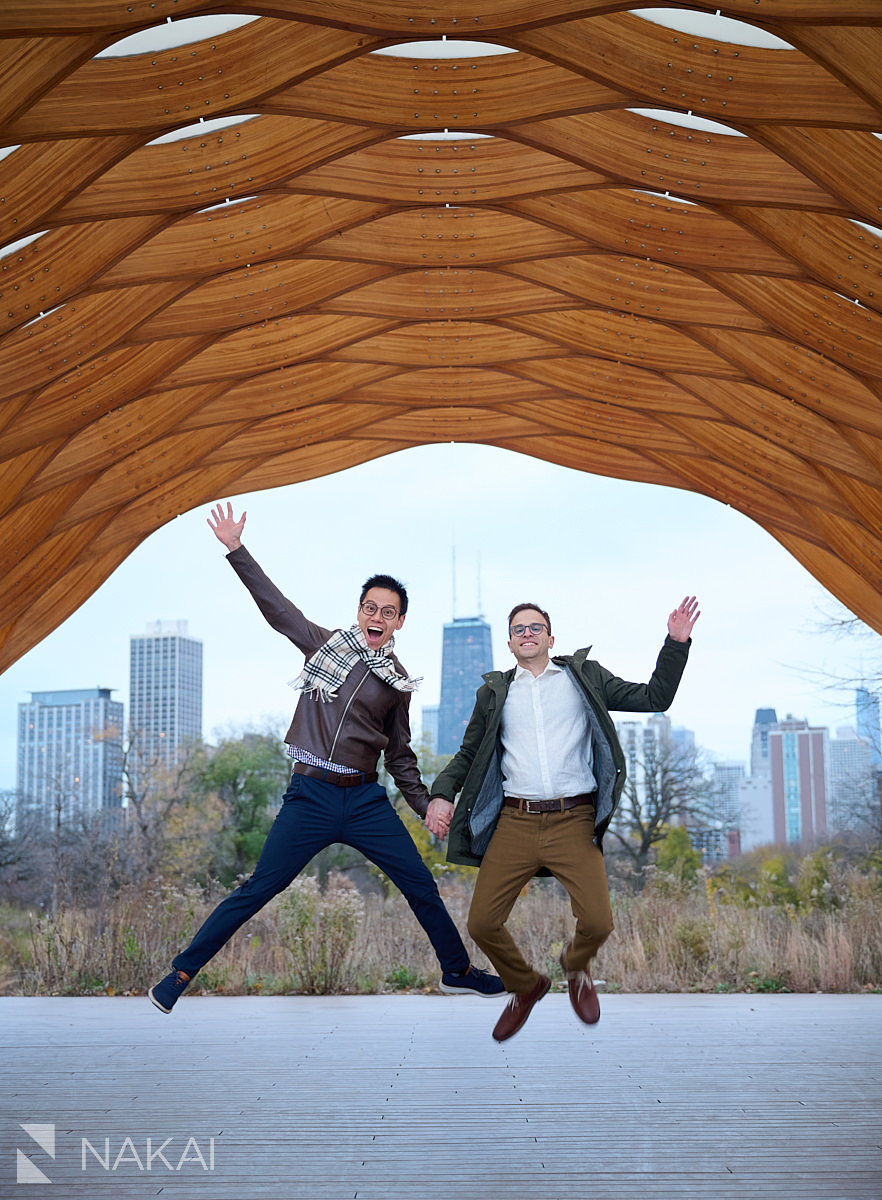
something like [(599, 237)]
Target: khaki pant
[(564, 843)]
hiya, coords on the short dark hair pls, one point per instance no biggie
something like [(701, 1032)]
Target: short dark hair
[(522, 608), (391, 585)]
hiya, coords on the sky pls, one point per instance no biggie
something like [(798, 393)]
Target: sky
[(609, 559)]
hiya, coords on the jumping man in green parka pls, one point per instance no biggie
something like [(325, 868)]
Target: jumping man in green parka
[(540, 772)]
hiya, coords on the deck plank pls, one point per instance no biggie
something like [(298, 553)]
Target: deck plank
[(408, 1097)]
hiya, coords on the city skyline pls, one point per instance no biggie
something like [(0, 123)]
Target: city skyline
[(607, 558)]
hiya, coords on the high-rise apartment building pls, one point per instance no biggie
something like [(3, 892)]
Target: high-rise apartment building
[(467, 655), (165, 692), (725, 819), (69, 755), (756, 826), (798, 758)]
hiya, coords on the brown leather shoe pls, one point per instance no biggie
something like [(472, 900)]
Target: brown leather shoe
[(518, 1009), (583, 994)]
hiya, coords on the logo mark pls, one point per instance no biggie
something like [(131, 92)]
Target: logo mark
[(27, 1171)]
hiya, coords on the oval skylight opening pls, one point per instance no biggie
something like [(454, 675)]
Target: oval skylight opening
[(666, 196), (229, 203), (202, 128), (686, 121), (175, 33), (713, 27), (442, 135), (43, 315), (876, 232), (444, 48), (14, 247)]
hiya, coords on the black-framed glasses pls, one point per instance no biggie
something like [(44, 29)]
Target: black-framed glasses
[(535, 627), (387, 612)]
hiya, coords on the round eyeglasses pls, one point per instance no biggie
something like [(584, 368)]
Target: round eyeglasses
[(517, 630), (387, 612)]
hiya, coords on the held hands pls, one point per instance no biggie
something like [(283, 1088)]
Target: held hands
[(225, 528), (438, 816), (683, 618)]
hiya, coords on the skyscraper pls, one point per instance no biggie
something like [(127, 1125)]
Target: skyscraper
[(69, 755), (798, 758), (467, 654), (165, 692)]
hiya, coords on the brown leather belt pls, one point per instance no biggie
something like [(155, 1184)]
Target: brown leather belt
[(335, 777), (544, 806)]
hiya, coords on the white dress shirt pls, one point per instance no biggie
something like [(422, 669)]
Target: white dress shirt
[(546, 742)]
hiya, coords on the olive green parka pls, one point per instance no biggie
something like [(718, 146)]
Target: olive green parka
[(476, 770)]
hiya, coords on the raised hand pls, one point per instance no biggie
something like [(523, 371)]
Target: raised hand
[(225, 527), (683, 618)]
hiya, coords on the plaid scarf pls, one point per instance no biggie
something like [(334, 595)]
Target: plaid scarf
[(324, 672)]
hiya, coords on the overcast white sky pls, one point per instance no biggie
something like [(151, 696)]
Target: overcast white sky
[(609, 559)]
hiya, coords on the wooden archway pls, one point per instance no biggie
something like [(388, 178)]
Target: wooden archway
[(307, 288)]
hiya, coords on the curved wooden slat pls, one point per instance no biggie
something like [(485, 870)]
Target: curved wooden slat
[(452, 237), (704, 167), (148, 92), (194, 173), (466, 171), (661, 229), (632, 340), (470, 94), (225, 238), (836, 251), (648, 289), (662, 68)]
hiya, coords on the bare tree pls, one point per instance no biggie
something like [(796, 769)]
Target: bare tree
[(17, 828), (154, 792), (670, 786), (854, 807), (860, 810)]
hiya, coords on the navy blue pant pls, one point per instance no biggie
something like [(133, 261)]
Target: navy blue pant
[(313, 815)]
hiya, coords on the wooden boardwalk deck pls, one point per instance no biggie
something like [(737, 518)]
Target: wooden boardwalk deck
[(408, 1098)]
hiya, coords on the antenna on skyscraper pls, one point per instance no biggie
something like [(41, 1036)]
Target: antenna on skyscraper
[(480, 604)]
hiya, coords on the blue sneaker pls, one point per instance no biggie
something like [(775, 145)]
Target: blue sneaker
[(165, 993), (473, 982)]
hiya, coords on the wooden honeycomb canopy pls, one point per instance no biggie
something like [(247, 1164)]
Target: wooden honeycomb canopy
[(584, 273)]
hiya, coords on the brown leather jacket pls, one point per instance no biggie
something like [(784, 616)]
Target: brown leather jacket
[(367, 719)]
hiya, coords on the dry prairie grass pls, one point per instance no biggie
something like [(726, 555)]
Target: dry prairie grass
[(671, 936)]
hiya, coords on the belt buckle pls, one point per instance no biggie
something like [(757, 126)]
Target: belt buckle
[(528, 807)]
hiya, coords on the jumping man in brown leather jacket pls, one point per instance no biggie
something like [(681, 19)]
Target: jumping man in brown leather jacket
[(354, 703)]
